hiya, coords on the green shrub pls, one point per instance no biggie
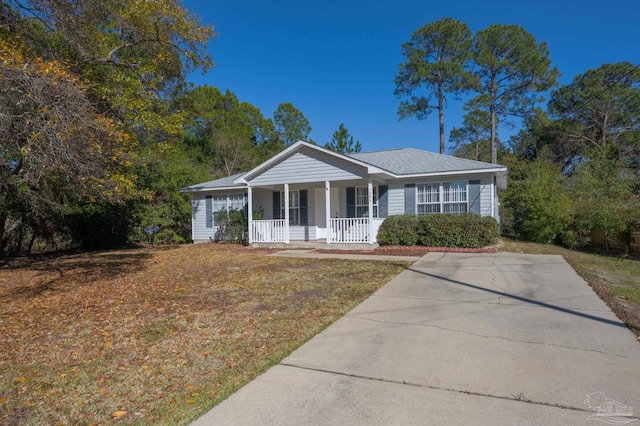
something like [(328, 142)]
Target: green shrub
[(232, 227), (399, 230), (97, 226), (439, 230), (538, 203), (167, 236)]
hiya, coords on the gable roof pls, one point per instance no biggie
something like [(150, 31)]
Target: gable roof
[(411, 161), (401, 162), (296, 147)]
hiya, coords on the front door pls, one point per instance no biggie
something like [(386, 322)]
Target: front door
[(321, 212)]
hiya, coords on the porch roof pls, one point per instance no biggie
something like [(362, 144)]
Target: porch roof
[(222, 183)]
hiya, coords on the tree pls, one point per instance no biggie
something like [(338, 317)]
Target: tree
[(435, 61), (535, 138), (134, 53), (55, 148), (86, 86), (230, 130), (342, 142), (510, 69), (290, 124), (473, 139), (604, 197), (164, 173), (539, 201), (598, 113)]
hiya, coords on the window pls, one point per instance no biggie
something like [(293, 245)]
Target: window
[(448, 197), (227, 202), (219, 203), (454, 197), (428, 198), (362, 201), (294, 207)]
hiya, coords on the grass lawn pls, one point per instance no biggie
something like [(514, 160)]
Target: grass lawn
[(615, 280), (159, 335)]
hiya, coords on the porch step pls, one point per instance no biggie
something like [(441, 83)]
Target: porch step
[(320, 244)]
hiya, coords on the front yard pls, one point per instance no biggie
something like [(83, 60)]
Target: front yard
[(159, 335)]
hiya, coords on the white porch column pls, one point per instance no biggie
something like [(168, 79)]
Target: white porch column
[(286, 212), (250, 213), (327, 210), (370, 200)]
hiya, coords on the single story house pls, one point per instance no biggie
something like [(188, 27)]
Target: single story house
[(309, 193)]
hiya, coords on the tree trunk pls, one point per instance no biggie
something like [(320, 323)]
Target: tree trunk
[(441, 117), (33, 239), (21, 234), (18, 248), (5, 238), (492, 110), (3, 221)]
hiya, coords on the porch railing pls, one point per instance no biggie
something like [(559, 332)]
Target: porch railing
[(268, 231), (352, 230)]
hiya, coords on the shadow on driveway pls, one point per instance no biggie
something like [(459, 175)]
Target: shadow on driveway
[(525, 299)]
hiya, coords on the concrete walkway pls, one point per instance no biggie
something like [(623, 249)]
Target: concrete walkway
[(456, 339), (311, 254)]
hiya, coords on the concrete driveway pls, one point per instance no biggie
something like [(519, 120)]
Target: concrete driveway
[(457, 339)]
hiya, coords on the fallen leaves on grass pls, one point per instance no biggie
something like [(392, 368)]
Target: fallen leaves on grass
[(163, 333)]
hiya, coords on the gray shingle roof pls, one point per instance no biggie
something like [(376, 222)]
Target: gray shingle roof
[(402, 161), (225, 182), (409, 161)]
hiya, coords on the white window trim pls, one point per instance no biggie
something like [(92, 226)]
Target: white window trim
[(450, 203), (227, 205), (375, 207), (292, 216), (441, 191), (429, 203)]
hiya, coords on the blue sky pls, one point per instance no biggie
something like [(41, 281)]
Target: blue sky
[(336, 60)]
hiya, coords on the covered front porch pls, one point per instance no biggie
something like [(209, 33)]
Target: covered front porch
[(321, 212)]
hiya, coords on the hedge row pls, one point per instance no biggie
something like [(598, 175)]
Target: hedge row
[(439, 230)]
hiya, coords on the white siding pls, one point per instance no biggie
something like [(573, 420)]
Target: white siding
[(485, 196), (395, 197), (298, 233), (199, 231), (342, 202), (309, 165), (263, 199), (311, 204), (342, 195), (396, 191)]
